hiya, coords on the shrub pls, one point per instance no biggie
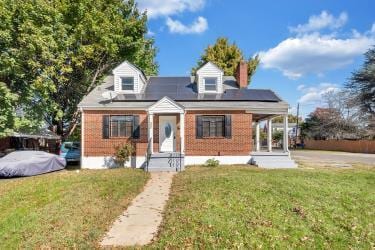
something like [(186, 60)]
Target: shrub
[(123, 153), (212, 163)]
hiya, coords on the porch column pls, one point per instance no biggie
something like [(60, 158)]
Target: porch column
[(285, 134), (269, 134), (150, 126), (182, 132), (257, 136)]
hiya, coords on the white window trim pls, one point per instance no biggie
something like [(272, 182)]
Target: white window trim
[(126, 90), (204, 84)]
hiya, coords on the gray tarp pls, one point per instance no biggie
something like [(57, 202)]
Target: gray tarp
[(28, 163)]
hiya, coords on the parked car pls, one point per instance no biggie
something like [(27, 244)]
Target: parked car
[(28, 163), (71, 151)]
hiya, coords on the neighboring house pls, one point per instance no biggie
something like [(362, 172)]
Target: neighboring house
[(205, 116), (42, 139), (292, 127)]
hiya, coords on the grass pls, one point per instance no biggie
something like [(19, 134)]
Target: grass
[(244, 207), (65, 209)]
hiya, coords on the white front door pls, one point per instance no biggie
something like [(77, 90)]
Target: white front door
[(167, 133)]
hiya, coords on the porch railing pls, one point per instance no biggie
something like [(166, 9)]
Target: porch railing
[(175, 159)]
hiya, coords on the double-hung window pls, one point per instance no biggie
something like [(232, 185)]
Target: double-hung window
[(213, 126), (121, 125), (210, 83), (127, 83)]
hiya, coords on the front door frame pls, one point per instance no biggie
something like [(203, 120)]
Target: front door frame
[(166, 106), (173, 119)]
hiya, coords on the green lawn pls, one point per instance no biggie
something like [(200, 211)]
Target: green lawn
[(64, 209), (243, 207)]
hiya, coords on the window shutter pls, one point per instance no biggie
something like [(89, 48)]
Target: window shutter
[(228, 126), (199, 126), (105, 127), (136, 128)]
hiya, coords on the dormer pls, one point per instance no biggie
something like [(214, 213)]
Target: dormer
[(209, 79), (128, 79)]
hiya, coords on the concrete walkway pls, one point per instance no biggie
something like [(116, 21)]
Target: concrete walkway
[(139, 223)]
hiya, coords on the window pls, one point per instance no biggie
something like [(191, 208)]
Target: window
[(121, 125), (210, 83), (213, 126), (127, 83)]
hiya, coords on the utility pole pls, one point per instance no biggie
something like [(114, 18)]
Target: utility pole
[(295, 142)]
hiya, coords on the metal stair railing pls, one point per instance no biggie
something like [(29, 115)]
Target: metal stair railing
[(175, 160)]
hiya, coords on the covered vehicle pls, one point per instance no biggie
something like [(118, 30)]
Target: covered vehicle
[(28, 163)]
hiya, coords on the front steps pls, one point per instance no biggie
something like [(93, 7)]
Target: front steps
[(166, 162), (272, 160)]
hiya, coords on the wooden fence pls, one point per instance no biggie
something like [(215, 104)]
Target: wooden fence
[(359, 146)]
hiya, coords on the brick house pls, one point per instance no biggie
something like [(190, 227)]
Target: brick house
[(195, 118)]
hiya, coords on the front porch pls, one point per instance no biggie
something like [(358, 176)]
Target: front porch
[(270, 157), (166, 136)]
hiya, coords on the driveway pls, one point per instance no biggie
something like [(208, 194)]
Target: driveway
[(332, 157)]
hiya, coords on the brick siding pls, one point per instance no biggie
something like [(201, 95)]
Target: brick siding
[(94, 143), (238, 144)]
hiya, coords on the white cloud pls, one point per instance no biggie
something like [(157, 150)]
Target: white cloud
[(300, 87), (157, 8), (150, 33), (324, 20), (316, 53), (313, 95), (198, 26)]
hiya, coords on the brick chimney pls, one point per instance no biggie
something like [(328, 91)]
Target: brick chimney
[(241, 74)]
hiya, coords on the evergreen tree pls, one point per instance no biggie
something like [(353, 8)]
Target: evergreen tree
[(226, 56), (362, 89)]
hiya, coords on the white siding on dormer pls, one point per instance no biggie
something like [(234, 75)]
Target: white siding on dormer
[(209, 70), (142, 82), (126, 69)]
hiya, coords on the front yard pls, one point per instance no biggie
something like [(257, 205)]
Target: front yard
[(229, 207), (65, 209), (222, 207)]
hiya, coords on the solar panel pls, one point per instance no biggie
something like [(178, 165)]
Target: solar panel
[(183, 89)]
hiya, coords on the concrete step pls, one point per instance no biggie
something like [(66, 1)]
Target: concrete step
[(275, 165), (166, 162), (274, 161), (161, 170)]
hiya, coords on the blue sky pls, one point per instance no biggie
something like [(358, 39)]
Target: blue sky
[(307, 48)]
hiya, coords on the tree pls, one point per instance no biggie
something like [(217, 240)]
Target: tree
[(327, 123), (291, 119), (226, 56), (52, 53), (277, 135), (362, 91), (7, 111)]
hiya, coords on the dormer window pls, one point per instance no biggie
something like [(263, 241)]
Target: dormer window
[(210, 83), (209, 79), (127, 83)]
